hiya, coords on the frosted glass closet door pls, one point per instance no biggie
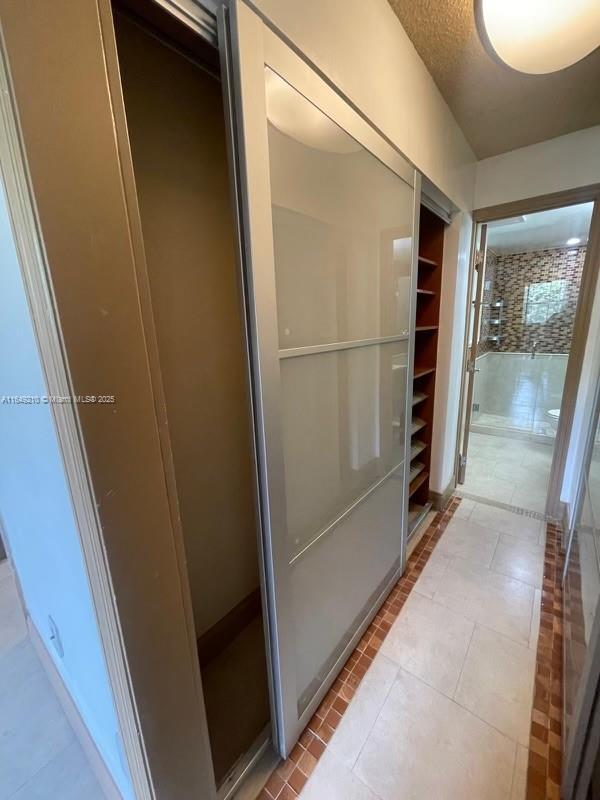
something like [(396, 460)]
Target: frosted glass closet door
[(328, 210), (342, 224)]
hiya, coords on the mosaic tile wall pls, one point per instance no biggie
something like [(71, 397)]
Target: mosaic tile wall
[(513, 273)]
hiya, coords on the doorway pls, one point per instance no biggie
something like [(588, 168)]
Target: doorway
[(525, 293), (176, 124)]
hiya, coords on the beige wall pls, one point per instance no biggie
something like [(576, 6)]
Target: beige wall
[(175, 119), (566, 162), (363, 49)]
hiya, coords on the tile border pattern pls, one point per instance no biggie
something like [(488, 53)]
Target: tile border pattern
[(545, 740), (290, 776), (486, 501)]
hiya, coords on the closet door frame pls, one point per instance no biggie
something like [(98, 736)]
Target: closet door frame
[(81, 250), (247, 46)]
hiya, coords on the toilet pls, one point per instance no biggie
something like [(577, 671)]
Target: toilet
[(553, 415)]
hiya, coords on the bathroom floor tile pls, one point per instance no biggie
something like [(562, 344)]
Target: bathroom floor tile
[(524, 476), (429, 579), (519, 783), (13, 627), (498, 602), (538, 455), (519, 559), (68, 777), (465, 509), (489, 487), (424, 745), (472, 542), (518, 525), (17, 666), (33, 730), (331, 780), (496, 683), (363, 710), (429, 641), (535, 620), (533, 499)]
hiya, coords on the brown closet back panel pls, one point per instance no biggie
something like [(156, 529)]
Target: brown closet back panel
[(177, 133)]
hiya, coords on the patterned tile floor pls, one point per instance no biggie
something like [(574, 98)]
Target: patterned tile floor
[(447, 668), (544, 771)]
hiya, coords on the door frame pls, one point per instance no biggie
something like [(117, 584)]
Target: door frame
[(35, 274), (591, 268), (142, 605), (248, 43), (471, 356), (573, 747)]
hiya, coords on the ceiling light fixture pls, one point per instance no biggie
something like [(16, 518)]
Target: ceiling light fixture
[(573, 240), (538, 36)]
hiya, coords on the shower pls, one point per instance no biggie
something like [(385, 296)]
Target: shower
[(525, 296)]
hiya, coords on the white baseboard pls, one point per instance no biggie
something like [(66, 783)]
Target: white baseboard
[(80, 729)]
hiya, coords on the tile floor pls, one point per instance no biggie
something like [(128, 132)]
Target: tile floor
[(445, 709), (39, 756), (507, 470)]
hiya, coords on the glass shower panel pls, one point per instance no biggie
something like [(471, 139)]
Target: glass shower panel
[(342, 236), (343, 431)]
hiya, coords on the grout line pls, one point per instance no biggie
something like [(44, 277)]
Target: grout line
[(495, 548), (462, 666), (362, 747), (514, 775)]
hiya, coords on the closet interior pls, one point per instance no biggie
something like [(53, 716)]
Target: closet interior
[(429, 284), (175, 119)]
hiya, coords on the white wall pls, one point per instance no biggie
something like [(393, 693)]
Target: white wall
[(566, 162), (363, 49), (453, 309), (38, 519)]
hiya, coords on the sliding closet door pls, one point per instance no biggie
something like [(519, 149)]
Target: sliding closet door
[(328, 212)]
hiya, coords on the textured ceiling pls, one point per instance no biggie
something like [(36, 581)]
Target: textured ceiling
[(498, 109)]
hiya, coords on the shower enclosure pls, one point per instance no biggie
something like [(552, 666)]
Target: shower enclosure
[(524, 298), (515, 393)]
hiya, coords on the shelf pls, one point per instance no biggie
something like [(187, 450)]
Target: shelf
[(421, 328), (418, 397), (416, 447), (428, 262), (416, 425), (416, 469), (417, 483), (420, 372), (416, 515), (425, 292)]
